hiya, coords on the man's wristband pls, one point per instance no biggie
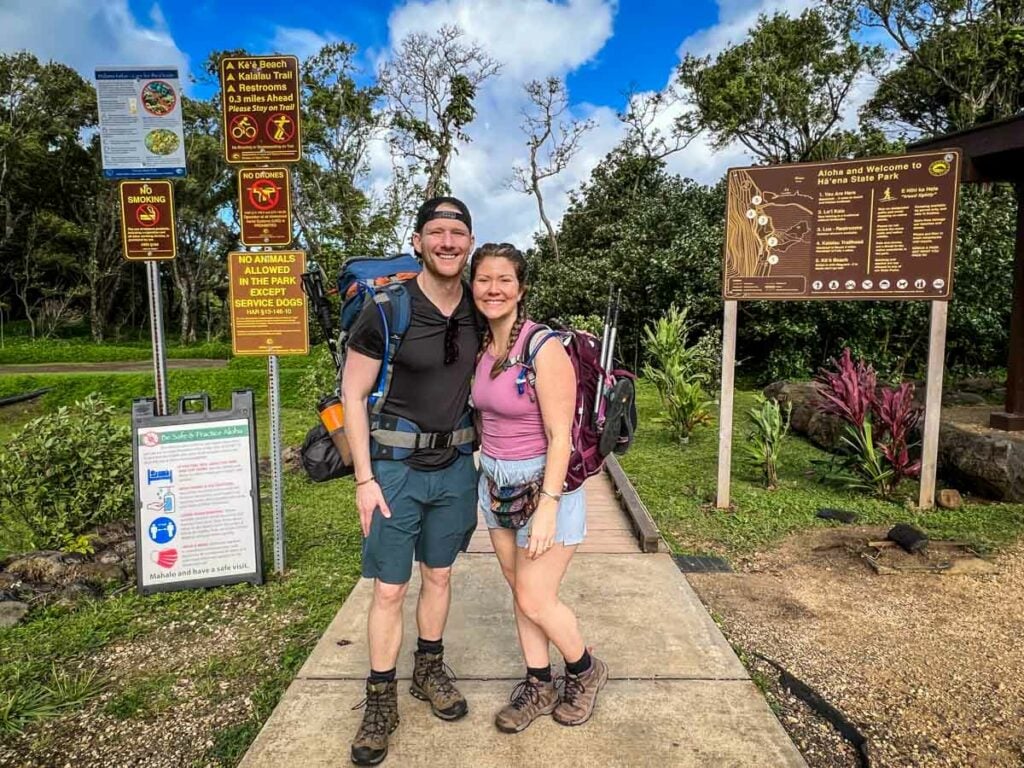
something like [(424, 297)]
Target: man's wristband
[(370, 479), (555, 496)]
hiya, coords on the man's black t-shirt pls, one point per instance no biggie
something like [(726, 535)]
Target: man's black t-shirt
[(424, 389)]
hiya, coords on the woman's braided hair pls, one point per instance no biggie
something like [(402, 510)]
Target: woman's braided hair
[(513, 254)]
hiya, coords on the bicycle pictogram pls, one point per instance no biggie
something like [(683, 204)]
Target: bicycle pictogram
[(243, 129)]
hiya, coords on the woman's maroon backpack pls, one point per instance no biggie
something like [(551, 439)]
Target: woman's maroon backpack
[(595, 433)]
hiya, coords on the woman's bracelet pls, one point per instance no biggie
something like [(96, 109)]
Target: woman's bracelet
[(370, 479), (555, 496)]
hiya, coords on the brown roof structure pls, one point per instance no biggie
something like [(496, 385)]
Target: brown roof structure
[(995, 152)]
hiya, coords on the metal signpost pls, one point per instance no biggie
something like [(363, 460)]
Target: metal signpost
[(871, 228), (141, 137), (260, 120)]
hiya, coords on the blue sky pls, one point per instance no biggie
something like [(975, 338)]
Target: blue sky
[(601, 48)]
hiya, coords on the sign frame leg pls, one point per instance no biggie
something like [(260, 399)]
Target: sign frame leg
[(933, 403), (276, 474), (156, 332), (725, 406)]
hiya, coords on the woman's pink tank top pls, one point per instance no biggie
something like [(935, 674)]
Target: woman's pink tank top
[(512, 424)]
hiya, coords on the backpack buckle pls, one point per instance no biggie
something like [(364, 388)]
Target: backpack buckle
[(434, 440)]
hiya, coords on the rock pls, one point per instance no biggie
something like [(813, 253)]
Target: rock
[(823, 429), (988, 463), (962, 398), (97, 573), (45, 566), (9, 580), (113, 533), (949, 498), (108, 557), (75, 593), (11, 612), (125, 550)]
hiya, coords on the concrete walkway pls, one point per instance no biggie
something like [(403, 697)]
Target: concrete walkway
[(677, 695)]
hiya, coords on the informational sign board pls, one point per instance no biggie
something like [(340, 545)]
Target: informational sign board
[(197, 515), (260, 103), (147, 220), (140, 122), (881, 228), (268, 305), (264, 204)]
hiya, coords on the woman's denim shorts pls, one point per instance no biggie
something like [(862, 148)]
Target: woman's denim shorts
[(571, 520)]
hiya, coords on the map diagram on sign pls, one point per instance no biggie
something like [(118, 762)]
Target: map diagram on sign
[(765, 227)]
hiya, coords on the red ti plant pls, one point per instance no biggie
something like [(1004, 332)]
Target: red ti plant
[(848, 391), (897, 415)]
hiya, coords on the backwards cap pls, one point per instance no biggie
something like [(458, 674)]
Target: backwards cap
[(429, 210)]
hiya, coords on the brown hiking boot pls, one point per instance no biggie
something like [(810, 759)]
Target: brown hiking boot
[(580, 694), (379, 720), (530, 699), (433, 681)]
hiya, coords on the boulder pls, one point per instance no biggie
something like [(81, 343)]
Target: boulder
[(48, 567), (949, 498), (11, 612), (97, 573), (989, 463), (822, 429)]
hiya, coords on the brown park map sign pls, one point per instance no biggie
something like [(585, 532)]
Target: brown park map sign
[(147, 220), (268, 305), (881, 228), (260, 104), (264, 202)]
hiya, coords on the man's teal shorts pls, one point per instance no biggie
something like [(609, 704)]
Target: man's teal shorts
[(433, 516)]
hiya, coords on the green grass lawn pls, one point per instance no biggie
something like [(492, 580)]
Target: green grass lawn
[(282, 621), (23, 351), (677, 483)]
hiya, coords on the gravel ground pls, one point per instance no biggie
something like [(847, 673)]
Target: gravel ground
[(929, 667)]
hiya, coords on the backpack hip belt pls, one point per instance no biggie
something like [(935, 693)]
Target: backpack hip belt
[(395, 438)]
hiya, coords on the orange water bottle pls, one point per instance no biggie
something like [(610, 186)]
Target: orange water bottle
[(332, 416)]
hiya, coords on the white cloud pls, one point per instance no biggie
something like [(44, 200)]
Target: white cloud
[(300, 42), (84, 34), (532, 38)]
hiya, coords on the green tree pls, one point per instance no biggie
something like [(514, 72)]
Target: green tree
[(958, 62), (430, 87), (44, 109), (781, 93), (336, 216)]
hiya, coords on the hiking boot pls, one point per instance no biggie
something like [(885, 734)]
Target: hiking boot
[(379, 720), (433, 681), (580, 694), (530, 699)]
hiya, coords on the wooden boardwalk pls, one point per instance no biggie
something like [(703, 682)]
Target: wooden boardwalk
[(608, 529)]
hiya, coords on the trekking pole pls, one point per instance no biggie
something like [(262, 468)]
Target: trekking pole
[(604, 351), (313, 285), (610, 362)]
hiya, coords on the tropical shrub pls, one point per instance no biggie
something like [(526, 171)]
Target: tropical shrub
[(64, 473), (679, 371), (878, 425), (769, 428)]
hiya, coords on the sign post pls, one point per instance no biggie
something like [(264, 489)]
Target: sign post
[(260, 107), (871, 228)]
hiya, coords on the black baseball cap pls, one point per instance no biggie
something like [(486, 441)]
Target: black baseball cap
[(429, 211)]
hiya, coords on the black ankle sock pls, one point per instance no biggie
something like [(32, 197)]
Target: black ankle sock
[(430, 646), (578, 667), (382, 677), (541, 673)]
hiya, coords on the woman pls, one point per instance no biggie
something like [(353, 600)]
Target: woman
[(526, 437)]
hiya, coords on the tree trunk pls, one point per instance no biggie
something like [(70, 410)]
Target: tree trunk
[(544, 218)]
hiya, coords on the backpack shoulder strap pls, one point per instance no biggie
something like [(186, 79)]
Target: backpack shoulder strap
[(534, 340), (395, 306)]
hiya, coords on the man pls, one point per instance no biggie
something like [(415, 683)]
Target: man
[(423, 503)]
